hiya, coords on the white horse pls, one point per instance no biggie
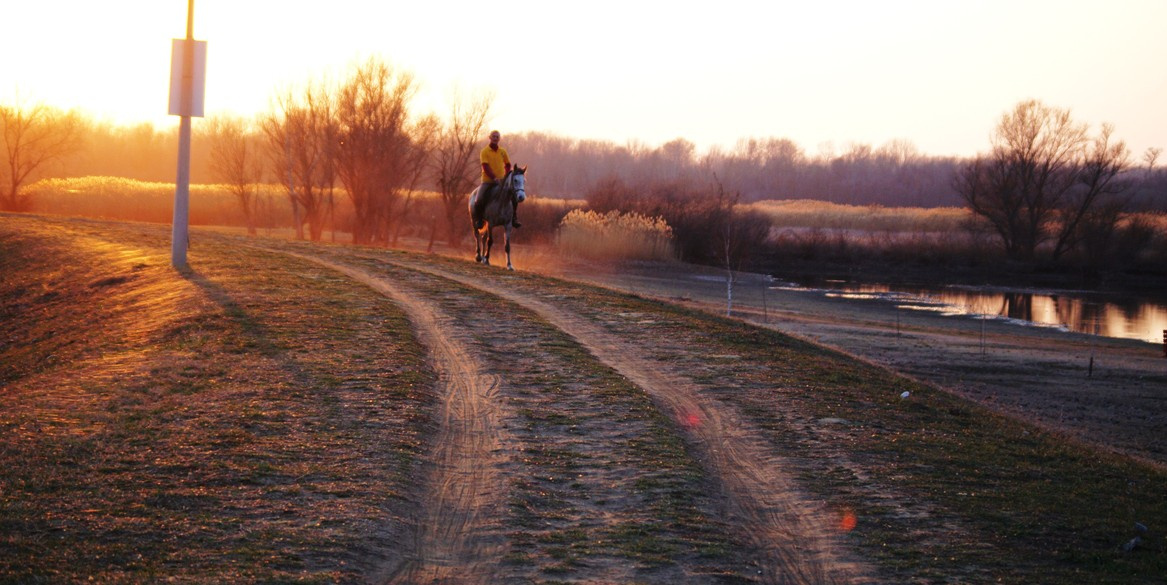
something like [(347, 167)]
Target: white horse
[(499, 211)]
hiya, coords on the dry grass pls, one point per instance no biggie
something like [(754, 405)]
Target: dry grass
[(804, 213), (615, 235), (226, 425), (130, 200)]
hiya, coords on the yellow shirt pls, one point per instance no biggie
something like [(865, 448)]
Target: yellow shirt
[(497, 159)]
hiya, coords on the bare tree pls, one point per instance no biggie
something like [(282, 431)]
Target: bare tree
[(374, 144), (278, 129), (735, 233), (302, 141), (1150, 156), (34, 137), (423, 135), (456, 157), (1096, 198), (235, 161), (1042, 176)]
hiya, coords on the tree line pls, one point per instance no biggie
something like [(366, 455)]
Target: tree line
[(894, 174), (1045, 189), (360, 139)]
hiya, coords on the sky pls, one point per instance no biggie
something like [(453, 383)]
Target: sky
[(823, 73)]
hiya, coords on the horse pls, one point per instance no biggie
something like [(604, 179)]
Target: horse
[(499, 211)]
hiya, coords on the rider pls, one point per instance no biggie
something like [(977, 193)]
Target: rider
[(495, 164)]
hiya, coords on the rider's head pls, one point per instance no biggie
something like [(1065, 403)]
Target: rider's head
[(494, 137)]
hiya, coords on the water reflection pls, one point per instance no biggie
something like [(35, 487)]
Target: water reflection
[(1109, 316)]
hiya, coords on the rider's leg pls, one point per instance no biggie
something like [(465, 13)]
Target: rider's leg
[(484, 192)]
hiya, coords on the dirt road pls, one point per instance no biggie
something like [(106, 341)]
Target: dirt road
[(455, 529), (457, 537)]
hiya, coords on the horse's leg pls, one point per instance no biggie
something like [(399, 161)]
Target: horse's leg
[(507, 241), (489, 244), (477, 234)]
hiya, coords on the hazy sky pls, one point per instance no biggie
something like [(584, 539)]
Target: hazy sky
[(938, 73)]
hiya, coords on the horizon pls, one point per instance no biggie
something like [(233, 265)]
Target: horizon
[(825, 77)]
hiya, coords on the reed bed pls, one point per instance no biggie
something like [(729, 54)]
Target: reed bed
[(615, 235)]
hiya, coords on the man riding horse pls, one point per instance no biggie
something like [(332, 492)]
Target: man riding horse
[(495, 164)]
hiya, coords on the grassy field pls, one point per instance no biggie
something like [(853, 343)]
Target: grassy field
[(260, 419), (802, 213)]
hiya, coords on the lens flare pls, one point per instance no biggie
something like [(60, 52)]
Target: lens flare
[(848, 520)]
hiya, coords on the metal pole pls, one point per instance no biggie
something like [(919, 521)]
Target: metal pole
[(179, 235)]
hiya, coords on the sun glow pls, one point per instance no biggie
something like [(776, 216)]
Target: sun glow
[(823, 74)]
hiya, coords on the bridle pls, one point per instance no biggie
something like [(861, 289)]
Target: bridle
[(520, 192)]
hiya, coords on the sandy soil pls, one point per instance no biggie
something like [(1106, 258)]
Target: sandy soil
[(1108, 392)]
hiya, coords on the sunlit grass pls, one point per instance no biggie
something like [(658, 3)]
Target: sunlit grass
[(128, 199), (615, 235), (154, 410)]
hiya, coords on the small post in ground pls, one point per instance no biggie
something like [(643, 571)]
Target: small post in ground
[(766, 307)]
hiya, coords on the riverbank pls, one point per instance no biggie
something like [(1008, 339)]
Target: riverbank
[(1108, 392), (1141, 282)]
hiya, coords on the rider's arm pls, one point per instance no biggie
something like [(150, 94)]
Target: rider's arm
[(489, 172)]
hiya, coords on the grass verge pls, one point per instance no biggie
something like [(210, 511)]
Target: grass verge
[(252, 420)]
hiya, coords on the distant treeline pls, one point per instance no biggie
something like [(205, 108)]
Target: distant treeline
[(895, 174)]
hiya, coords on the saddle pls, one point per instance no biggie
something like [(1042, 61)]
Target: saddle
[(485, 196)]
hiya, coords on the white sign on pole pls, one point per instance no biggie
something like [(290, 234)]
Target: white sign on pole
[(198, 78)]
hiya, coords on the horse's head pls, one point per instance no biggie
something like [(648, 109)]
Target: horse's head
[(517, 182)]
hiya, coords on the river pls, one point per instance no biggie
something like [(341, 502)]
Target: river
[(1109, 315)]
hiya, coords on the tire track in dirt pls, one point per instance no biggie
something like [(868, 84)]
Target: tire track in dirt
[(463, 489), (789, 531)]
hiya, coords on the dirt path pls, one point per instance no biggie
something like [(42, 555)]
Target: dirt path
[(464, 485), (761, 500)]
